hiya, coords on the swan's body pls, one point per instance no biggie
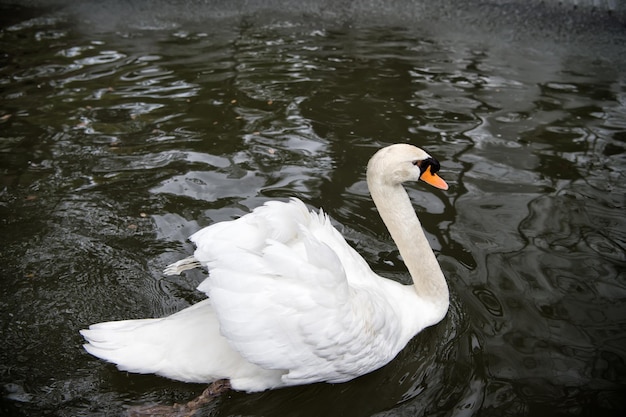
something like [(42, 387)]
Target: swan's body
[(289, 301)]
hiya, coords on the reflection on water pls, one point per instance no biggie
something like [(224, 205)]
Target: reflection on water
[(116, 145)]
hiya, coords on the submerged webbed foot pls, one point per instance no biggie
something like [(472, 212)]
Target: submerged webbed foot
[(213, 391)]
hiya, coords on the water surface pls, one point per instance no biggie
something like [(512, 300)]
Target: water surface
[(119, 139)]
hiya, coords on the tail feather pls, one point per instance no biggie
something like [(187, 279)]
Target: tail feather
[(185, 346), (129, 344)]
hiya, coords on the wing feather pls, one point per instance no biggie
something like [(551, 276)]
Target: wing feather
[(290, 294)]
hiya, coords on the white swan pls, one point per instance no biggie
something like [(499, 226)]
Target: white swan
[(289, 301)]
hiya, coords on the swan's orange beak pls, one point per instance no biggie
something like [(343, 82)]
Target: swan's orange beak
[(434, 179)]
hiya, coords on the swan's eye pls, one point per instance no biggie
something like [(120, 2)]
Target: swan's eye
[(431, 162)]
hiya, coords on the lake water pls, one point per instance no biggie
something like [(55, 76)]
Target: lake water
[(127, 126)]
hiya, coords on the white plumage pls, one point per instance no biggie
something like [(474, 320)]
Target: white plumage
[(289, 301)]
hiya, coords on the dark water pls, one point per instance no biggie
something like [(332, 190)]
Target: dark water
[(123, 131)]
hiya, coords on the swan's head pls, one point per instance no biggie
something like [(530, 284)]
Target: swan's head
[(402, 162)]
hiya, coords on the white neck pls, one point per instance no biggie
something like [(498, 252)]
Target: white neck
[(395, 209)]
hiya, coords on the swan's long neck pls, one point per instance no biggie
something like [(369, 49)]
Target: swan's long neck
[(397, 212)]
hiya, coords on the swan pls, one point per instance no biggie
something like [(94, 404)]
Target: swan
[(289, 301)]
